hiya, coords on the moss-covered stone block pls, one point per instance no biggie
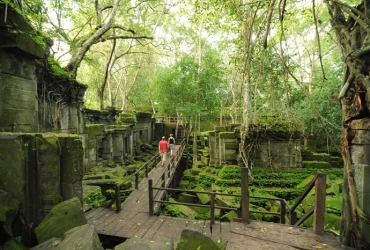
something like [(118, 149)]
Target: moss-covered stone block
[(229, 216), (80, 237), (316, 164), (13, 154), (317, 157), (188, 198), (94, 129), (227, 135), (203, 198), (222, 202), (138, 243), (69, 212), (72, 167), (191, 240), (181, 211), (48, 163), (126, 118)]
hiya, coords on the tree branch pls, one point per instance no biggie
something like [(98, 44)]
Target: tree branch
[(116, 26), (127, 37)]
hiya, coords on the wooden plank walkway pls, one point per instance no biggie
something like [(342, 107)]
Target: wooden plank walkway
[(134, 221)]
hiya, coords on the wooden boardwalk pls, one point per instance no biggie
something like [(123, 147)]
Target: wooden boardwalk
[(134, 221)]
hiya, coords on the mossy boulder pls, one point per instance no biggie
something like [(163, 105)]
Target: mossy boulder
[(187, 198), (83, 237), (191, 240), (204, 198), (181, 211), (145, 244), (229, 216), (63, 217)]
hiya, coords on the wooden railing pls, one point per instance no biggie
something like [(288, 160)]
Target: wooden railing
[(167, 119), (318, 208), (143, 170), (287, 214)]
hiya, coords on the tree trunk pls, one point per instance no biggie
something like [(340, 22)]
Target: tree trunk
[(351, 25), (195, 132), (75, 61)]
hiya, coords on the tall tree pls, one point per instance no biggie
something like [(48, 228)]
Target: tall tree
[(351, 24)]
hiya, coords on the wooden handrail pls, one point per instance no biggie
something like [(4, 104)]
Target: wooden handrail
[(318, 210), (149, 164)]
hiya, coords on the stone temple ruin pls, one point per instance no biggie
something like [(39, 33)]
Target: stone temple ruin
[(48, 140)]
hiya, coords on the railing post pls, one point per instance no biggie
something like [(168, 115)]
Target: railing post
[(245, 195), (163, 180), (292, 217), (319, 209), (282, 211), (212, 205), (151, 205), (118, 198), (137, 181), (146, 170)]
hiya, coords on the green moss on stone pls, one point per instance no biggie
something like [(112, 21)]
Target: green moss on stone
[(316, 164), (69, 212), (12, 244), (227, 135), (95, 129), (56, 69), (191, 240)]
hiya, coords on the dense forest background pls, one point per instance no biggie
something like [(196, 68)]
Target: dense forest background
[(209, 59)]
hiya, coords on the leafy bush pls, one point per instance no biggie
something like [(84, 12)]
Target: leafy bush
[(230, 172), (95, 198), (205, 180)]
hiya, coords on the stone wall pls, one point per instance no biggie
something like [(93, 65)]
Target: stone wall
[(278, 154), (18, 81), (41, 170), (223, 148), (108, 139), (33, 98)]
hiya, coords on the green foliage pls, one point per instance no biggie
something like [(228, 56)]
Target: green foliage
[(230, 172), (126, 117), (94, 198), (287, 194), (205, 179), (56, 69), (288, 183)]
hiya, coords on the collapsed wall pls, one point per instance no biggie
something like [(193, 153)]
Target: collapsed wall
[(263, 150)]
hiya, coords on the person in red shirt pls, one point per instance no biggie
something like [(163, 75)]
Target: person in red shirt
[(163, 147)]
